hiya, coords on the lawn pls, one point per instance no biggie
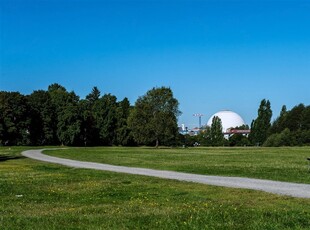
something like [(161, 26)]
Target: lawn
[(282, 164), (36, 195)]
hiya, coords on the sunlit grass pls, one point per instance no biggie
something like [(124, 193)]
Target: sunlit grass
[(283, 164), (36, 195)]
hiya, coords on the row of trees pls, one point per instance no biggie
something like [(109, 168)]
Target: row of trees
[(59, 117), (290, 128)]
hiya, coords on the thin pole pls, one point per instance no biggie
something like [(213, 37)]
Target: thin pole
[(199, 115)]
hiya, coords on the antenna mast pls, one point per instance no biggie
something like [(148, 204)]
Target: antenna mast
[(199, 115)]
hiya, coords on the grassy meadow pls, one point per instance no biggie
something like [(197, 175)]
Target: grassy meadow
[(281, 164), (37, 195)]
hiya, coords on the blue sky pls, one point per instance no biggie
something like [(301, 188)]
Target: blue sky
[(213, 54)]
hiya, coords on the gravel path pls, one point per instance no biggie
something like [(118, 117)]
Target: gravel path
[(282, 188)]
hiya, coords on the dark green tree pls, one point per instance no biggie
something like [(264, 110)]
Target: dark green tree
[(294, 118), (42, 110), (105, 120), (261, 125), (216, 132), (14, 119), (69, 121), (93, 96), (291, 127), (123, 136), (280, 123), (58, 98), (203, 137), (66, 117), (89, 127), (238, 140), (305, 121), (153, 119), (104, 112), (280, 139)]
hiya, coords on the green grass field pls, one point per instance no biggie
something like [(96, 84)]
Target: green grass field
[(282, 164), (36, 195)]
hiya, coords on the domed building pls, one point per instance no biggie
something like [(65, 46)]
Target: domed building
[(229, 119)]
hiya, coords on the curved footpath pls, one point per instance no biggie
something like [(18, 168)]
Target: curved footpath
[(276, 187)]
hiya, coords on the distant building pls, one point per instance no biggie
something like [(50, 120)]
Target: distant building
[(231, 132), (230, 120), (194, 132), (183, 130)]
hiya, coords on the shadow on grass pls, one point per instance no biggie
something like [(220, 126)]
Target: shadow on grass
[(6, 158)]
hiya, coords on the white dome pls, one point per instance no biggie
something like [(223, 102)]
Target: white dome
[(229, 119)]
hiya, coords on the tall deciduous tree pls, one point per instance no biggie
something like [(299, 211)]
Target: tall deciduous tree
[(67, 117), (216, 132), (261, 125), (154, 117)]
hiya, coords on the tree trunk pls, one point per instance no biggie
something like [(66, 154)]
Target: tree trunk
[(157, 143)]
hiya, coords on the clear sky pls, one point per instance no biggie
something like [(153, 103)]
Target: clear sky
[(213, 54)]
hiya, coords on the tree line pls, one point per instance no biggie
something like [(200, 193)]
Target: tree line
[(58, 117), (290, 128)]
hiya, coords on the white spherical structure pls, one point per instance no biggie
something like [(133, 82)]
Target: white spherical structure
[(229, 119)]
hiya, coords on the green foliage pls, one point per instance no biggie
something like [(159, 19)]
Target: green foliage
[(284, 138), (14, 119), (294, 117), (105, 116), (204, 138), (105, 120), (291, 127), (216, 132), (68, 120), (123, 134), (238, 140), (279, 124), (57, 116), (154, 117), (261, 125), (69, 125), (89, 127), (42, 114), (93, 96)]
